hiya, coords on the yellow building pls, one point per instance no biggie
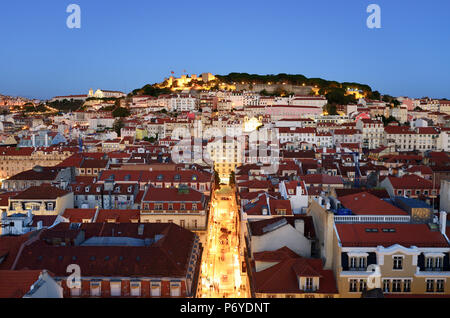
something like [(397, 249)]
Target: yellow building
[(16, 160)]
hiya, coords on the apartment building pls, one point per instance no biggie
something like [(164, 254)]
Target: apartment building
[(183, 206), (41, 200), (16, 160), (401, 137), (226, 154), (408, 259), (372, 132), (117, 260)]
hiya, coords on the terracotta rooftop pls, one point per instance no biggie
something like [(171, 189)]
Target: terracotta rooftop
[(41, 193), (373, 235), (15, 284), (364, 203)]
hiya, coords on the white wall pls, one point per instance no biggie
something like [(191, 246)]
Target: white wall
[(283, 236)]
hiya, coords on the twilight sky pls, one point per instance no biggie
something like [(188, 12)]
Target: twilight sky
[(123, 45)]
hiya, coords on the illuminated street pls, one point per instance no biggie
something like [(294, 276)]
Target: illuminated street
[(221, 275)]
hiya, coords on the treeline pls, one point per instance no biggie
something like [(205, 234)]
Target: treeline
[(293, 79), (150, 90), (67, 105)]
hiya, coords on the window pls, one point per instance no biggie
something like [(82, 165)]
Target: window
[(155, 289), (396, 286), (170, 206), (353, 286), (407, 285), (428, 263), (182, 206), (175, 289), (430, 285), (438, 263), (116, 289), (362, 285), (95, 289), (182, 223), (75, 292), (440, 286), (352, 262), (194, 206), (386, 286), (135, 289), (398, 263), (309, 283), (362, 263)]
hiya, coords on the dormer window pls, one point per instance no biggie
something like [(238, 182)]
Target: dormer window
[(86, 189), (160, 177), (309, 283), (98, 189)]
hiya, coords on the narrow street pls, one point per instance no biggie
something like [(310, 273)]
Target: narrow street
[(221, 275)]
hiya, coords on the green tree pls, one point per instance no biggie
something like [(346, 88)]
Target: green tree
[(118, 125), (216, 179), (232, 178), (374, 95), (121, 112), (331, 109)]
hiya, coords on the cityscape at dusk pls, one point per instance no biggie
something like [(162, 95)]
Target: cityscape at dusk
[(244, 152)]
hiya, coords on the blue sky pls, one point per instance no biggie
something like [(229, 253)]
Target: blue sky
[(123, 45)]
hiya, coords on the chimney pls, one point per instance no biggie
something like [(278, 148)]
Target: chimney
[(300, 226), (141, 229), (443, 221)]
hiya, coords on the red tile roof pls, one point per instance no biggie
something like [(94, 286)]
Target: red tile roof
[(94, 163), (256, 227), (167, 257), (41, 193), (364, 203), (321, 179), (406, 235), (411, 181), (4, 198), (275, 256), (10, 247), (172, 195), (428, 130), (118, 216), (15, 284), (43, 173), (282, 278), (398, 130), (78, 215)]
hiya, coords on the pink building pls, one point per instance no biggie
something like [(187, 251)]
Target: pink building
[(278, 112)]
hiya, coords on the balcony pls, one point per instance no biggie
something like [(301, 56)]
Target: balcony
[(372, 219)]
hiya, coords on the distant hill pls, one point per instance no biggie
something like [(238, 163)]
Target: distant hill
[(281, 85)]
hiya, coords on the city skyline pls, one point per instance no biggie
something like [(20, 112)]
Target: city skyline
[(125, 46)]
